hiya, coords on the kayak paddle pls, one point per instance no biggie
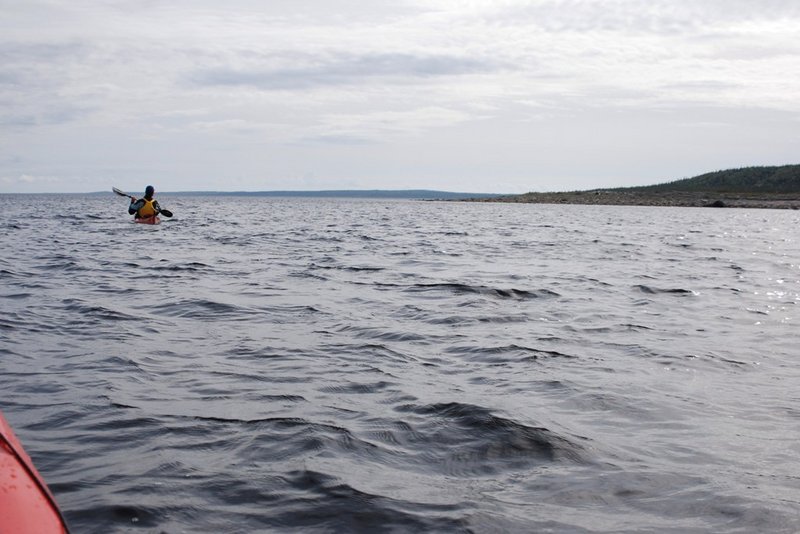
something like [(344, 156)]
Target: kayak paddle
[(121, 193), (165, 213)]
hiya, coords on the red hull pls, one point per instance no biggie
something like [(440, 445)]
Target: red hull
[(148, 220), (26, 504)]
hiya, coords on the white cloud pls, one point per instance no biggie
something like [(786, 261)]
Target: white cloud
[(28, 180), (346, 69), (379, 125), (158, 82)]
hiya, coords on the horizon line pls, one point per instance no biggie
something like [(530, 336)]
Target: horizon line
[(282, 192)]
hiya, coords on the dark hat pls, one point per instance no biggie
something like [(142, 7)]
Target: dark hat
[(149, 190)]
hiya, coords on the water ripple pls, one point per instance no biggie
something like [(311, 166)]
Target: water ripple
[(370, 366)]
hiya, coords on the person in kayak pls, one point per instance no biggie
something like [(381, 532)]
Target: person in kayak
[(145, 207)]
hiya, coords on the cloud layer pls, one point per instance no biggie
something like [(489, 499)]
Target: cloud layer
[(501, 95)]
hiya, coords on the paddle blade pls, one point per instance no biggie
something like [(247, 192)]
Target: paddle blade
[(166, 213), (121, 193)]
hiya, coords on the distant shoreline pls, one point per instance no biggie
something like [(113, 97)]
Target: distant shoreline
[(599, 197), (694, 199), (389, 194)]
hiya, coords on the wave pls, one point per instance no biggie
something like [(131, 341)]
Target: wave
[(86, 311), (466, 440), (506, 353), (190, 267), (457, 288), (351, 268), (200, 308), (367, 351), (650, 290), (336, 503)]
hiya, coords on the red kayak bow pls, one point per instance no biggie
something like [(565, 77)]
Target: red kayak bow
[(26, 504)]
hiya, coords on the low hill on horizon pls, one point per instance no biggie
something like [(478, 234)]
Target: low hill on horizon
[(775, 179), (399, 194), (421, 194), (747, 187)]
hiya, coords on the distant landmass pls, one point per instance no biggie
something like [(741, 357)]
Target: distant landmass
[(749, 187), (405, 194), (783, 179)]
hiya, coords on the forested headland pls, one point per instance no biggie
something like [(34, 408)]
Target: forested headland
[(750, 187)]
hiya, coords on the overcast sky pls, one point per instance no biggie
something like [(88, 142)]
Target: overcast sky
[(473, 95)]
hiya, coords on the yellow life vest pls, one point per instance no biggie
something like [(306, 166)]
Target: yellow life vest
[(147, 210)]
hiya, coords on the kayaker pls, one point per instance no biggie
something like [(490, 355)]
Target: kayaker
[(145, 207)]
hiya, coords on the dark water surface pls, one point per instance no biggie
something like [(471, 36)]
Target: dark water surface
[(279, 365)]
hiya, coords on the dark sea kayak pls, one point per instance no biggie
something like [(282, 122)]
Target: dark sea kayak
[(26, 504)]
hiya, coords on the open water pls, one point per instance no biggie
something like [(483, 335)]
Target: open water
[(296, 365)]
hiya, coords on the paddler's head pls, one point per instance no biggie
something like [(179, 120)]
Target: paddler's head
[(148, 192)]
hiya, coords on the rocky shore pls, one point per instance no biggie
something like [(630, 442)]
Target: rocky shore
[(633, 197)]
